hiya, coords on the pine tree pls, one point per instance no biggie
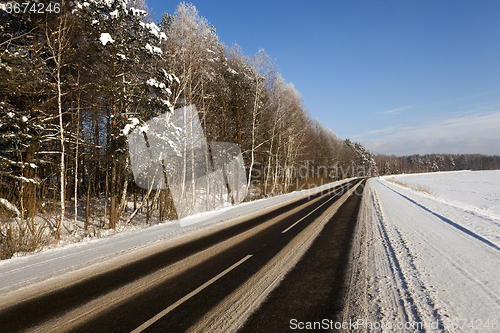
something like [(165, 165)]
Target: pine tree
[(24, 89), (131, 80)]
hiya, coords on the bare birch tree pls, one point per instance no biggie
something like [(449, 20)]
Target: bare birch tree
[(57, 42), (262, 72)]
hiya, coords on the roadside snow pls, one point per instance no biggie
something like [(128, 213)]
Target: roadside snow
[(429, 260)]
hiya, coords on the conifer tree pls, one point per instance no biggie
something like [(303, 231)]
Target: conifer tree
[(131, 80)]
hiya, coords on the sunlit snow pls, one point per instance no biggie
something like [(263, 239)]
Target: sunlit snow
[(105, 38), (430, 258)]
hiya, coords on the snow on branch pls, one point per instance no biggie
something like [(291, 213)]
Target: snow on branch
[(138, 12), (21, 164), (21, 178), (105, 38), (134, 122), (153, 49), (10, 207)]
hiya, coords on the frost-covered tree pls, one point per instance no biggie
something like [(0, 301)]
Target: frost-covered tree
[(387, 168), (24, 107), (57, 39), (193, 48), (19, 135), (365, 157), (131, 80), (262, 73)]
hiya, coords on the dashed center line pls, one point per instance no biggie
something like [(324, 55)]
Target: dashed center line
[(293, 225), (188, 296)]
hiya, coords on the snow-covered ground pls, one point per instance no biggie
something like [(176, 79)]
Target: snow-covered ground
[(432, 258), (54, 266)]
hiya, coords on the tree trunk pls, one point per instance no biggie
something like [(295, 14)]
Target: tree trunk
[(57, 50), (87, 212), (76, 153)]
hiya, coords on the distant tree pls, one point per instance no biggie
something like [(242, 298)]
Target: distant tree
[(365, 157), (439, 162)]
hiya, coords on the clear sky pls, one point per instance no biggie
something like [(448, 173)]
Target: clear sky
[(399, 76)]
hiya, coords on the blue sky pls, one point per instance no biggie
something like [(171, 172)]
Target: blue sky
[(400, 76)]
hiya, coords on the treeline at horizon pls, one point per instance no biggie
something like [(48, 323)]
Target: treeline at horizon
[(72, 81), (416, 163)]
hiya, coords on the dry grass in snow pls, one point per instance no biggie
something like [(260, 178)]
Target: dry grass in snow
[(415, 187)]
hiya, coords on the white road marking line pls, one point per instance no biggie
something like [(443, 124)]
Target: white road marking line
[(293, 225), (188, 296)]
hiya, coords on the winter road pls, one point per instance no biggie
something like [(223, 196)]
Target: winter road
[(217, 282)]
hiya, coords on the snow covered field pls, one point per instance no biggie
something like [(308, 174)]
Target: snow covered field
[(430, 260)]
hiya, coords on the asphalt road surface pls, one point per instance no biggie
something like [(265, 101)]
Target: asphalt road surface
[(183, 288)]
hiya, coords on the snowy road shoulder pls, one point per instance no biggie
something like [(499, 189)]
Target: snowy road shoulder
[(422, 260)]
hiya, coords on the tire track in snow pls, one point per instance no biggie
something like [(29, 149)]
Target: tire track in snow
[(456, 262), (417, 303), (460, 269), (406, 298), (470, 276), (448, 221), (356, 299)]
